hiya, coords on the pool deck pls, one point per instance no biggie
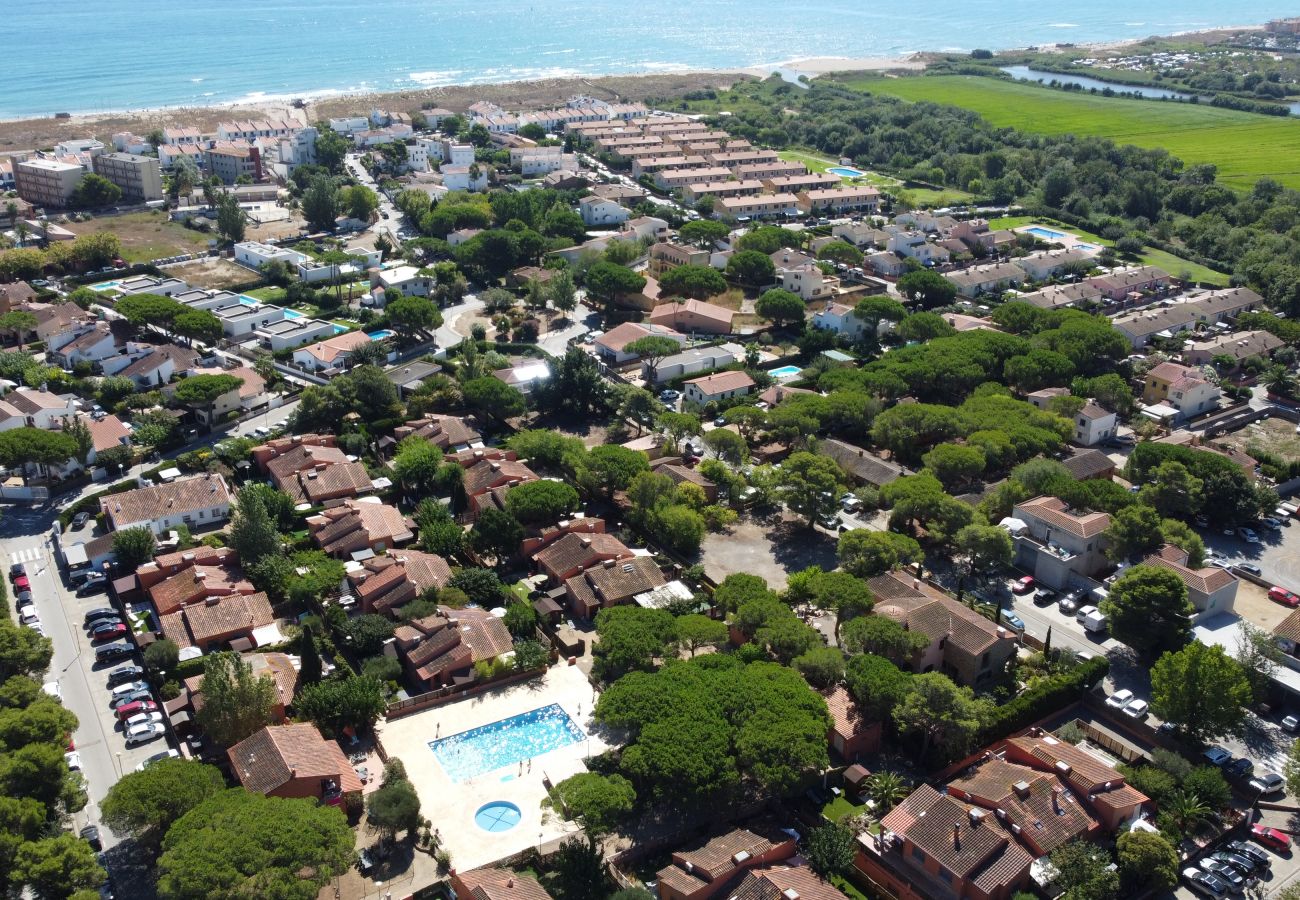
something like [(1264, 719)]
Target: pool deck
[(1066, 239), (451, 806)]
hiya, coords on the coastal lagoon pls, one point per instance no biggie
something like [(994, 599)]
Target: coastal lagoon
[(89, 57)]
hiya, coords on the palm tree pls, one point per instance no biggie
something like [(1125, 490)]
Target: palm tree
[(1279, 381), (887, 790), (1187, 810)]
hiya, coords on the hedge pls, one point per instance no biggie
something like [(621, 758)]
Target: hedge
[(1046, 696)]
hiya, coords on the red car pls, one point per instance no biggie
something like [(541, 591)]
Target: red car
[(21, 583), (1023, 585), (134, 708), (1283, 596), (108, 633), (1271, 837)]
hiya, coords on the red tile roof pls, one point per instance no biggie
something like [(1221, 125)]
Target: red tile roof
[(277, 754)]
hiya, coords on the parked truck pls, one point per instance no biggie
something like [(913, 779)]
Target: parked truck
[(1095, 622)]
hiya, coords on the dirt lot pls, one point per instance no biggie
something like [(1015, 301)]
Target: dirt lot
[(1254, 606), (145, 235), (1276, 436), (213, 273), (27, 134), (770, 548)]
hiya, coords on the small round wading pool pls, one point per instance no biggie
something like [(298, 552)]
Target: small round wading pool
[(497, 816)]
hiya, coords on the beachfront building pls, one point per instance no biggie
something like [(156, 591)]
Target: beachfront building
[(139, 177), (47, 182)]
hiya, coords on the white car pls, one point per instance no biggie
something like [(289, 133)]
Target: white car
[(1291, 723), (144, 718), (144, 733), (1267, 782), (52, 688), (1136, 709), (73, 759), (129, 688), (169, 753), (1119, 699), (28, 616)]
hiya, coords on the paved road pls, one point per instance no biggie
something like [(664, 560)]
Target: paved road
[(388, 224)]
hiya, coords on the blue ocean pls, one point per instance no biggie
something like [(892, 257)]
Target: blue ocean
[(109, 55)]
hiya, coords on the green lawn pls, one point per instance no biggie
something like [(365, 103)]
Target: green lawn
[(1174, 265), (146, 236), (911, 196), (268, 294), (1244, 146)]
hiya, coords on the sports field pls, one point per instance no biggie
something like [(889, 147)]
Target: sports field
[(1244, 146)]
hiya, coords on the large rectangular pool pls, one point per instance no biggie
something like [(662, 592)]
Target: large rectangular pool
[(506, 742), (1046, 234)]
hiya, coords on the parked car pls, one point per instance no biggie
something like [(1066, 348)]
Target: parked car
[(1224, 872), (124, 674), (152, 717), (1270, 522), (1217, 756), (90, 834), (109, 631), (1250, 851), (1136, 709), (1204, 883), (1023, 585), (1251, 568), (80, 519), (52, 688), (27, 616), (1045, 595), (169, 753), (1243, 864), (1083, 612), (102, 612), (1290, 723), (1271, 838), (100, 625), (110, 652), (1247, 534), (1119, 699), (81, 576), (141, 694), (667, 395), (126, 688), (1069, 603), (1013, 620), (1267, 783), (144, 733), (92, 586), (16, 570), (22, 583), (1279, 594), (135, 708), (1240, 767), (73, 759)]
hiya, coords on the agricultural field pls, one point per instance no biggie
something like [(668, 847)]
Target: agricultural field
[(1174, 265), (1244, 146), (145, 236)]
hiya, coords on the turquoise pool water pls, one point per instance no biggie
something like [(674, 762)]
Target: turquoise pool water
[(785, 372), (504, 743), (293, 314), (845, 172), (105, 285), (1046, 234), (497, 816), (380, 335)]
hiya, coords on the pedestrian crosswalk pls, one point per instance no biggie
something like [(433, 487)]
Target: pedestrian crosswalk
[(28, 554)]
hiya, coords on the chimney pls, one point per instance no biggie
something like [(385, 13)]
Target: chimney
[(956, 837), (586, 542), (496, 466), (1056, 801), (1022, 789), (609, 564)]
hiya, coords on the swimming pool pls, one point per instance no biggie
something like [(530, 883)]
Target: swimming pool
[(785, 373), (845, 172), (504, 743), (1045, 233), (293, 314), (249, 301), (380, 335), (105, 285)]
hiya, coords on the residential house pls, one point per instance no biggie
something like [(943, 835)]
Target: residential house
[(839, 318), (850, 734), (410, 376), (523, 376), (708, 867), (611, 583), (1094, 424), (915, 245), (1238, 346), (293, 761), (1181, 389), (1210, 589), (1046, 264), (11, 295), (861, 234), (106, 433), (250, 395), (1141, 325), (52, 318), (216, 622), (693, 193), (229, 161), (1099, 786), (801, 183), (696, 359), (150, 366), (716, 387), (1086, 465), (1055, 543), (963, 644), (611, 345), (442, 649), (785, 882), (934, 846), (988, 279), (1129, 284), (496, 884), (809, 282), (598, 212), (885, 264), (195, 502), (386, 583), (674, 468), (276, 666), (360, 524), (407, 279), (1037, 807), (255, 254), (331, 354), (666, 256), (572, 553), (464, 178), (1225, 305), (316, 475), (450, 434), (759, 206), (838, 200), (691, 316), (290, 333), (1058, 296), (175, 580), (861, 466), (488, 480), (31, 408)]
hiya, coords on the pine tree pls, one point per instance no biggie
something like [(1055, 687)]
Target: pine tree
[(309, 669)]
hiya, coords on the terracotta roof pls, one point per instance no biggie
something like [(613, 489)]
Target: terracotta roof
[(575, 550), (861, 464), (159, 500), (1085, 773), (673, 468), (489, 473), (1289, 628), (669, 311), (1207, 580), (845, 715), (358, 524), (273, 756), (715, 857), (1054, 512), (330, 349), (621, 335), (254, 385), (1048, 814), (195, 583), (330, 482), (776, 393), (1169, 371), (722, 381), (277, 666), (501, 884), (984, 852), (218, 619), (300, 457), (783, 883), (612, 582), (442, 431), (30, 400), (107, 432)]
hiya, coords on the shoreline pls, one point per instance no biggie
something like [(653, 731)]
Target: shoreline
[(26, 133)]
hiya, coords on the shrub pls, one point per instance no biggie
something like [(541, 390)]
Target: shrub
[(1045, 696)]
